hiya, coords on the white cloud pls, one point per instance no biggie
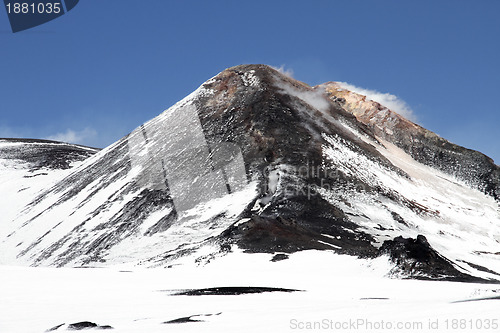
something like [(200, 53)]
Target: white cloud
[(390, 101), (72, 136), (285, 71)]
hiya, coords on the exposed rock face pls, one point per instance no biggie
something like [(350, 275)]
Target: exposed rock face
[(260, 161), (423, 145), (83, 325), (280, 124), (43, 154), (415, 258)]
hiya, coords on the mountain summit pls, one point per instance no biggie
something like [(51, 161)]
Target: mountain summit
[(258, 161)]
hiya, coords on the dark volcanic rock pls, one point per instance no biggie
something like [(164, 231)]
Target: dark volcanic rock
[(416, 258), (269, 123), (83, 325), (183, 320), (279, 257), (274, 127), (227, 291), (87, 325), (40, 154), (54, 328), (190, 319), (277, 234)]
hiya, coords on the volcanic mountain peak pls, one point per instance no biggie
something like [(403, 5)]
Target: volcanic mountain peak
[(260, 161)]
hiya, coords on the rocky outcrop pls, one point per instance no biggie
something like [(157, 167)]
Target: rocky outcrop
[(43, 154), (415, 258), (423, 145)]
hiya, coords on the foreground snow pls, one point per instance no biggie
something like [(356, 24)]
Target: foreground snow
[(339, 293)]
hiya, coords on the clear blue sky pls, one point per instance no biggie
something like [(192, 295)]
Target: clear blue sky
[(105, 67)]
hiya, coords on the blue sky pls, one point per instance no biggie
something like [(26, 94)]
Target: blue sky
[(96, 73)]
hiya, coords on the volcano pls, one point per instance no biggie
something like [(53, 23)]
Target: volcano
[(258, 162)]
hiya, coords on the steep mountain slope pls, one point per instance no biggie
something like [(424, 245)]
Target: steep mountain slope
[(30, 166), (257, 160), (474, 168)]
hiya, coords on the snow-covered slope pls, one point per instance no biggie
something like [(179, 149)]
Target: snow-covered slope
[(119, 203), (28, 167), (258, 161), (426, 147)]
